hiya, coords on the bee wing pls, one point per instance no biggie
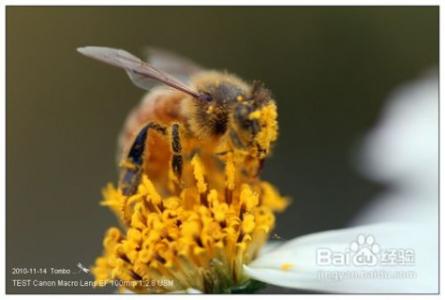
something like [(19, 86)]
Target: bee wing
[(141, 73), (176, 65)]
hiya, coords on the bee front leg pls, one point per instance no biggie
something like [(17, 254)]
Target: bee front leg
[(132, 167), (177, 161)]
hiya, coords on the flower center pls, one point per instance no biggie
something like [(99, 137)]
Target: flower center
[(197, 239)]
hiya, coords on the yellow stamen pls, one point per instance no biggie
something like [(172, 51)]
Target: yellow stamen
[(190, 242), (199, 174)]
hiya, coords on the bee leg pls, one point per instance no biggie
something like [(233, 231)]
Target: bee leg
[(132, 166), (260, 166), (177, 160)]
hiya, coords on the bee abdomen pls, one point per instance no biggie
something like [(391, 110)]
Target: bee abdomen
[(160, 105)]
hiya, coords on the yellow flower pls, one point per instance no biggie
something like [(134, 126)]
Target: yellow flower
[(198, 239)]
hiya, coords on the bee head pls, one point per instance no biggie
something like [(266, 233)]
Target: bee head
[(255, 119), (228, 105), (213, 108), (248, 107)]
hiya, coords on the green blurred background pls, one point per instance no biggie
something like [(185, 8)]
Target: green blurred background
[(330, 69)]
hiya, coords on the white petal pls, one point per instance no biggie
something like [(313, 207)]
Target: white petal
[(270, 246), (407, 165), (297, 264), (390, 153)]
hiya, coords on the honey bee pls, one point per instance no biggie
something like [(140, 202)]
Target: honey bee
[(194, 110)]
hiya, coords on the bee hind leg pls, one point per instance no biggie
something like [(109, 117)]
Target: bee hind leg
[(132, 167)]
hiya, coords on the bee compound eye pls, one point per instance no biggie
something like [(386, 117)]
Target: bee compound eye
[(205, 97)]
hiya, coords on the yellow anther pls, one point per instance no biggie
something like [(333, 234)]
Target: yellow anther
[(198, 171), (248, 224), (249, 198), (171, 203), (230, 172), (134, 235), (272, 198), (148, 188), (180, 236)]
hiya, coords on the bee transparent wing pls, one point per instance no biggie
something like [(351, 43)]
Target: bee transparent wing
[(141, 73), (173, 64)]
